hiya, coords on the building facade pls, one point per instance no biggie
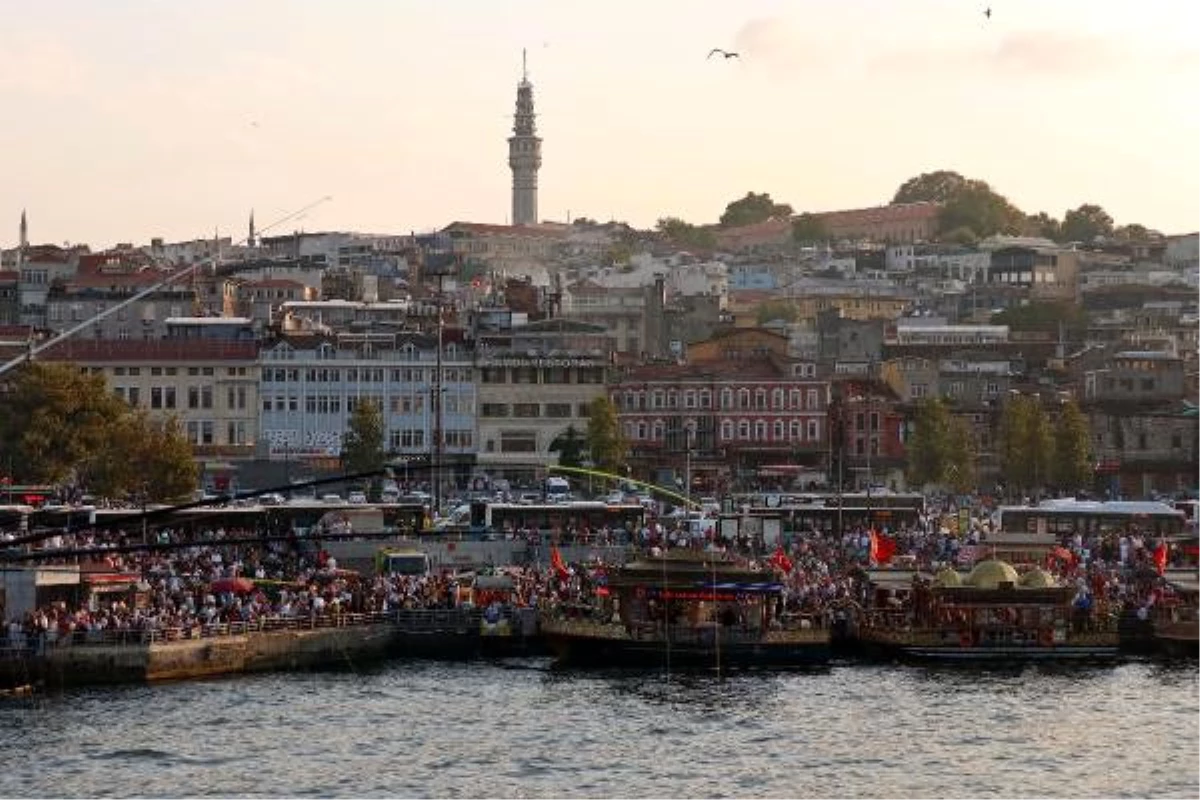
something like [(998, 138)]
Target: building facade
[(311, 384)]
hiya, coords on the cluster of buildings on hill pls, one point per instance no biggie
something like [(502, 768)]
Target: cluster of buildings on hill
[(486, 343)]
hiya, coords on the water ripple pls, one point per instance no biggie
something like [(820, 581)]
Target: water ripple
[(522, 730)]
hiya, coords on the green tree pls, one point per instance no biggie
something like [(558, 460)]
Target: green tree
[(930, 187), (1026, 444), (753, 208), (58, 424), (1041, 317), (928, 448), (605, 444), (1135, 233), (977, 207), (570, 447), (960, 473), (962, 235), (772, 310), (54, 418), (809, 229), (1043, 225), (1071, 469), (965, 203), (147, 456), (1085, 223), (686, 234), (362, 446)]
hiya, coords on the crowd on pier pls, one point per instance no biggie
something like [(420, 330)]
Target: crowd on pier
[(217, 578)]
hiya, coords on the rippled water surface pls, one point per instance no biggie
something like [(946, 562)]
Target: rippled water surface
[(520, 729)]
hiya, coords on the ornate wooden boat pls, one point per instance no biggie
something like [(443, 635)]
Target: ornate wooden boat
[(991, 614), (685, 609)]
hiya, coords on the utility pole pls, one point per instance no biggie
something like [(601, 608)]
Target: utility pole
[(436, 404)]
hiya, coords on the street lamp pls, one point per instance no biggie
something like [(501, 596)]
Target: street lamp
[(689, 435)]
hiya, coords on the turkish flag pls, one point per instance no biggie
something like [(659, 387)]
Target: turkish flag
[(556, 561), (1160, 557), (780, 559), (882, 548)]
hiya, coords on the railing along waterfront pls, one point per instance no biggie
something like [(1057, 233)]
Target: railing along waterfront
[(704, 635), (414, 619)]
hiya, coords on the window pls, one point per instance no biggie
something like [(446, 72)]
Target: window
[(134, 396), (743, 430), (727, 398), (494, 410), (795, 430), (156, 397), (760, 431), (558, 410), (518, 442), (525, 410), (778, 432), (813, 401), (743, 398), (760, 399), (689, 399), (706, 399), (794, 399), (726, 431)]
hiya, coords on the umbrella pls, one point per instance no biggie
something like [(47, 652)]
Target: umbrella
[(234, 585)]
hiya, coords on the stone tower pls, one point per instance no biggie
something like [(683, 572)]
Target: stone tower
[(524, 154)]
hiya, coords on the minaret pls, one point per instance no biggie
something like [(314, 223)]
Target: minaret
[(22, 242), (251, 240), (524, 154)]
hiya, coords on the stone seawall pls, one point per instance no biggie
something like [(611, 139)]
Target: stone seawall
[(224, 653)]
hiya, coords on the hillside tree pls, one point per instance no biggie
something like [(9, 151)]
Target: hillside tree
[(753, 208), (1086, 223), (809, 229)]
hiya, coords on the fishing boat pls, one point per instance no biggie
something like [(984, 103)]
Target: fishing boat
[(685, 609), (991, 614)]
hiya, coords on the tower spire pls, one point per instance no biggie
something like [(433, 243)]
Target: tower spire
[(524, 152), (24, 240)]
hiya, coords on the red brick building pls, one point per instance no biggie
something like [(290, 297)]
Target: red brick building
[(738, 408)]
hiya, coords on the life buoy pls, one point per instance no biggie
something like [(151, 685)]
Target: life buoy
[(1046, 637), (965, 639)]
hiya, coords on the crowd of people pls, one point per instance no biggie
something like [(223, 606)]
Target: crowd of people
[(190, 585)]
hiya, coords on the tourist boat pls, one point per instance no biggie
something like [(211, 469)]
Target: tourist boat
[(685, 609), (1176, 621), (991, 614)]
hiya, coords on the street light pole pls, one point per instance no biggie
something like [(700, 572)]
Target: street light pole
[(436, 403), (687, 462)]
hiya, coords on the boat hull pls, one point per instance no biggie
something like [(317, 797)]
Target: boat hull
[(573, 647), (884, 647)]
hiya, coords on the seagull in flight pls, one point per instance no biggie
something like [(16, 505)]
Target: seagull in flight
[(988, 13), (725, 53)]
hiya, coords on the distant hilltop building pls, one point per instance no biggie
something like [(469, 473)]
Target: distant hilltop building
[(524, 154)]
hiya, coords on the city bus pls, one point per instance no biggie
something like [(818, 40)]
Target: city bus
[(1067, 517), (568, 520), (831, 513)]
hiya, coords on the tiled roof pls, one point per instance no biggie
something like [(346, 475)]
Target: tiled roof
[(739, 369), (901, 212), (273, 283), (162, 350)]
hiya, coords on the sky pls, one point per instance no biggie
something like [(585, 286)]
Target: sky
[(130, 119)]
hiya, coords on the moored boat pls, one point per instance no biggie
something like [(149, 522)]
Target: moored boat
[(992, 614), (685, 609)]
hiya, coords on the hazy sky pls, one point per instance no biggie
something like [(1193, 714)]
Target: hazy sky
[(127, 119)]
